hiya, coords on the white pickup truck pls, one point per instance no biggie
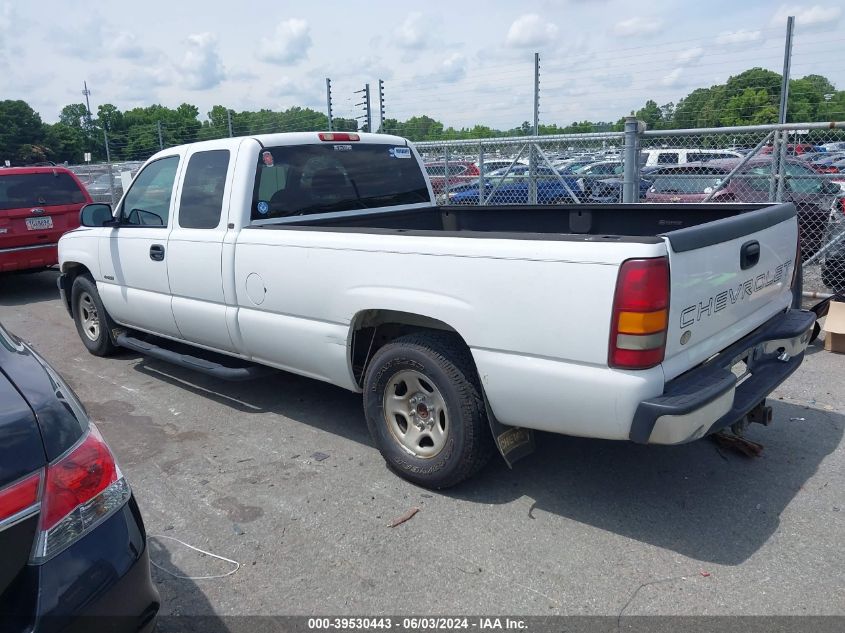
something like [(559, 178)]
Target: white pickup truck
[(324, 254)]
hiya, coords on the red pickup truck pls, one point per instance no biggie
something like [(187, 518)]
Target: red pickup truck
[(37, 205)]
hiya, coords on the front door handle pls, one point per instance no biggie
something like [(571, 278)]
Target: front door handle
[(157, 252)]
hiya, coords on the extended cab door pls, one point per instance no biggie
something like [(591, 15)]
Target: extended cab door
[(195, 248), (133, 255)]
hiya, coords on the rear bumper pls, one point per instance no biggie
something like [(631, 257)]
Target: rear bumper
[(101, 583), (28, 257), (710, 397)]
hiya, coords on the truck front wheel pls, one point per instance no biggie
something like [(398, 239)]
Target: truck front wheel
[(424, 409), (92, 320)]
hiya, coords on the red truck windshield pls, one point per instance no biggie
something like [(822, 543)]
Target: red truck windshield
[(306, 179), (18, 191)]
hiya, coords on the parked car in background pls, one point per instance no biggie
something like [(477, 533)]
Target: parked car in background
[(793, 149), (812, 193), (458, 172), (37, 205), (665, 156), (72, 542), (833, 265), (101, 187), (836, 146), (608, 190), (512, 187), (495, 164)]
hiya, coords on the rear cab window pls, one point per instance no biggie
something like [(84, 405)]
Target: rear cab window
[(18, 191), (306, 179)]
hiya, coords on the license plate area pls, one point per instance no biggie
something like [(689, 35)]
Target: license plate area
[(39, 224)]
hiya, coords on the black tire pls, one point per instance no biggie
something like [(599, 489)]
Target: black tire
[(444, 362), (84, 299)]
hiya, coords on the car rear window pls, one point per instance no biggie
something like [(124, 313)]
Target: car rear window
[(686, 182), (306, 179), (38, 190)]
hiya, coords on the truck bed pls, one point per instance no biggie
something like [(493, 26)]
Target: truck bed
[(643, 223)]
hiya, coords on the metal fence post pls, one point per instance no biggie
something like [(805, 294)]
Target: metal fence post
[(445, 192), (773, 182), (782, 166), (480, 174), (108, 162), (631, 158)]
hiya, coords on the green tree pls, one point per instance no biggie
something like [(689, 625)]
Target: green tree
[(20, 125)]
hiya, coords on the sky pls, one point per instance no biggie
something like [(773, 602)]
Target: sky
[(460, 62)]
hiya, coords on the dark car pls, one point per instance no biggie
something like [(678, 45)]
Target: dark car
[(812, 193), (72, 542), (833, 265), (37, 205)]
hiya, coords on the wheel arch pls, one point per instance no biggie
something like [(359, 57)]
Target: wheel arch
[(372, 329), (70, 271)]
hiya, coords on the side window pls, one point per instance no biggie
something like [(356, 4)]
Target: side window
[(667, 158), (147, 203), (202, 191)]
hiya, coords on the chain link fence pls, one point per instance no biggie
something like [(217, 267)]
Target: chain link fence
[(799, 163)]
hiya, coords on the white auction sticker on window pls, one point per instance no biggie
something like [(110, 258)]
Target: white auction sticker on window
[(400, 152)]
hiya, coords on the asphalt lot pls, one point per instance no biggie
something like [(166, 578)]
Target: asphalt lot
[(580, 527)]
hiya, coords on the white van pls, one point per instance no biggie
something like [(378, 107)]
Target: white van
[(662, 156)]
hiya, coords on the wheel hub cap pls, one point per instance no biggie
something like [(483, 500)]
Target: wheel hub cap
[(415, 412)]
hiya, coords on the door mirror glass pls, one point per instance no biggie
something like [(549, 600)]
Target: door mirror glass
[(96, 214)]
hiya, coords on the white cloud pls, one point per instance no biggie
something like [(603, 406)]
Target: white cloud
[(814, 17), (531, 30), (690, 55), (289, 43), (414, 31), (674, 78), (453, 68), (738, 38), (638, 26), (288, 91), (126, 45), (201, 67)]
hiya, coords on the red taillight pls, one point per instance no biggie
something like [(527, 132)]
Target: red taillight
[(19, 496), (640, 314), (81, 490), (76, 478), (338, 136)]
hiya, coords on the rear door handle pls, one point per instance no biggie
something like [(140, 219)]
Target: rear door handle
[(749, 254), (157, 252)]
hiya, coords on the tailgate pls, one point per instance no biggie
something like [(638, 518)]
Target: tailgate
[(37, 225), (728, 277)]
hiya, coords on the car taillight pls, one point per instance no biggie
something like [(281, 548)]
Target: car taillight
[(81, 490), (640, 314), (18, 497), (338, 136)]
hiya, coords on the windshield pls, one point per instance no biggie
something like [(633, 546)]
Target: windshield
[(19, 191), (304, 179)]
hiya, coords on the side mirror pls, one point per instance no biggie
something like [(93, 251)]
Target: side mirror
[(96, 214)]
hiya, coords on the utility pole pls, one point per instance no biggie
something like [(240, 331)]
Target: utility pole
[(329, 101), (536, 94), (87, 94), (229, 120), (160, 139), (779, 149), (366, 104), (381, 104), (787, 63)]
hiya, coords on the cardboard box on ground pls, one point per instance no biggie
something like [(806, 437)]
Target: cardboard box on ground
[(834, 328)]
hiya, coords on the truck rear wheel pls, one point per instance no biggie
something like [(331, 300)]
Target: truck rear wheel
[(92, 321), (425, 412)]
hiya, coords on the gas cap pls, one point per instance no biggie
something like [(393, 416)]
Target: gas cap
[(255, 289)]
